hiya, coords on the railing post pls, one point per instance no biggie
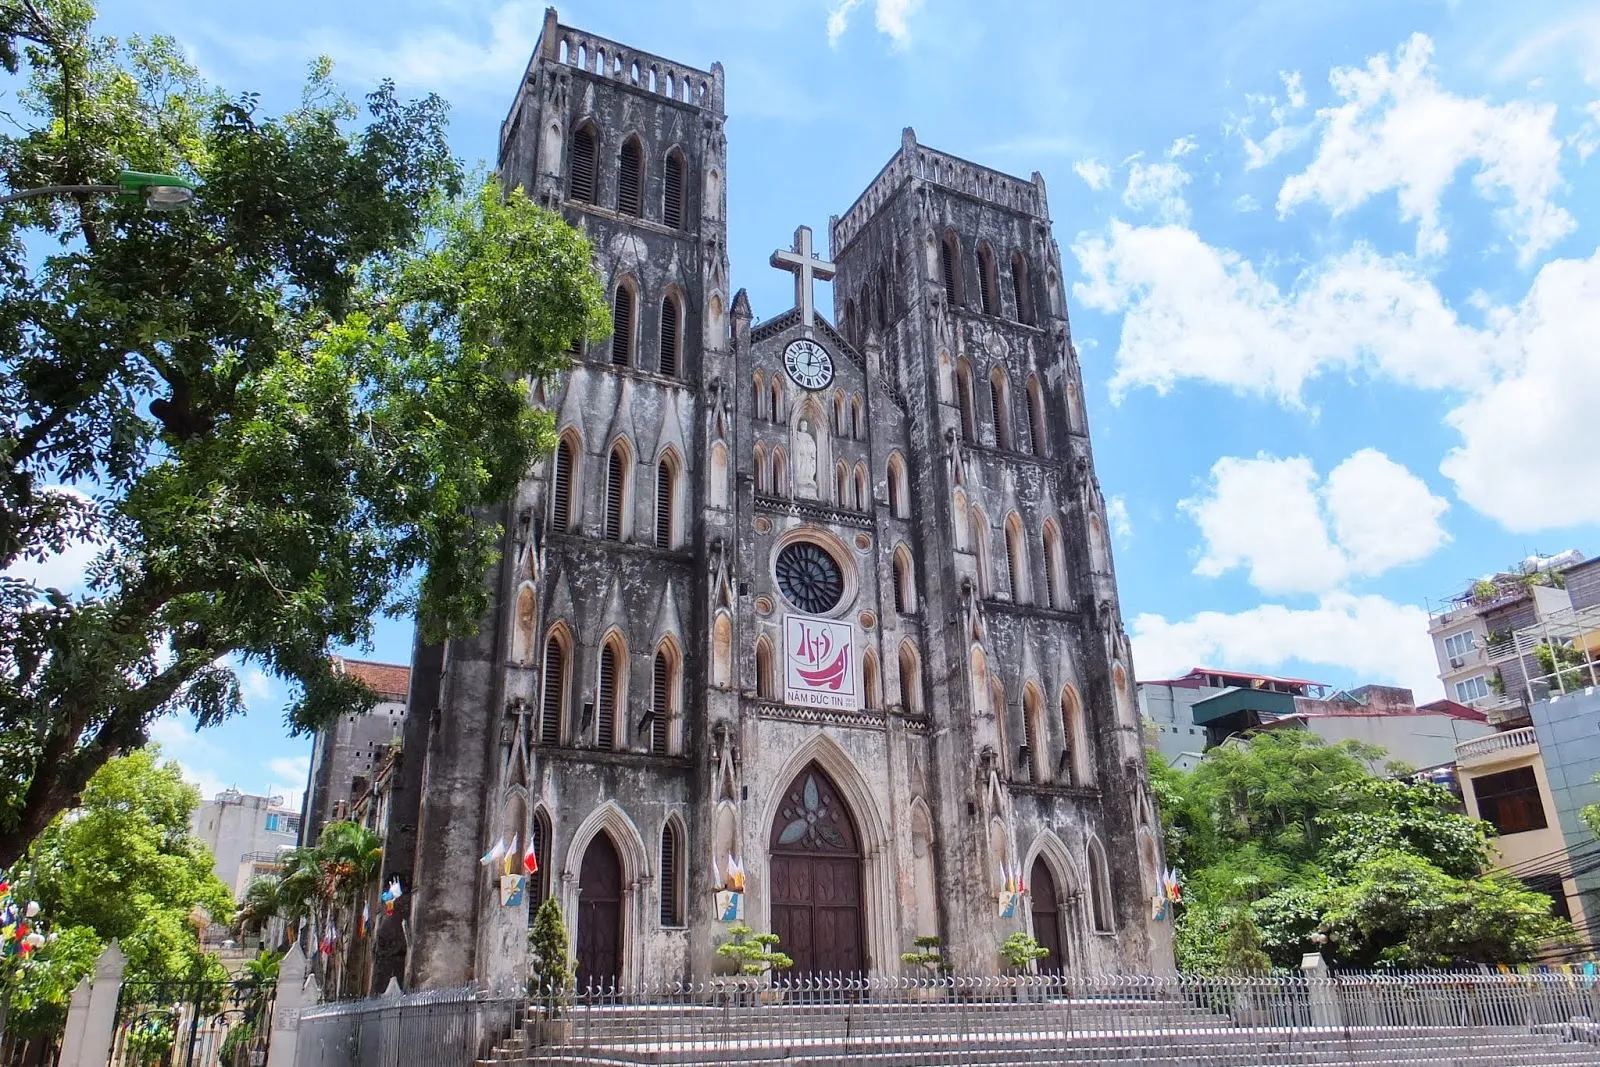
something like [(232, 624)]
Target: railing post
[(1323, 998), (99, 1018), (294, 995)]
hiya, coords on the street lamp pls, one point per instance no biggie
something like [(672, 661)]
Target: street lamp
[(160, 192)]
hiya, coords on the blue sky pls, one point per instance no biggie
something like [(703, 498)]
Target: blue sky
[(1334, 267)]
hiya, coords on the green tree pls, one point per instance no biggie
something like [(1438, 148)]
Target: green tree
[(551, 966), (121, 865), (756, 954), (1290, 845), (273, 411)]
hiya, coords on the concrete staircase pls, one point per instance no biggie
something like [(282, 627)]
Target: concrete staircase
[(1055, 1033)]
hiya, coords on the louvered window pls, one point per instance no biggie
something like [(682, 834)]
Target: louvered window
[(672, 193), (669, 337), (670, 865), (539, 884), (606, 715), (660, 704), (555, 687), (664, 504), (622, 327), (947, 262), (1019, 286), (899, 586), (997, 405), (1030, 728), (1008, 580), (986, 287), (1013, 563), (964, 402), (614, 487), (561, 491), (1035, 420), (630, 179), (585, 152)]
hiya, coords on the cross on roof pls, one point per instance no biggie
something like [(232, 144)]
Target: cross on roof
[(805, 266)]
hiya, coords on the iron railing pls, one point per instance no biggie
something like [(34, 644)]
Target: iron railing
[(1487, 1020)]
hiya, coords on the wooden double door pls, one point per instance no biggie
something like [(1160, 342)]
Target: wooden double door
[(815, 853), (1047, 919), (599, 963)]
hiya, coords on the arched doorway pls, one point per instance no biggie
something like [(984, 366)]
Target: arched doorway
[(600, 914), (816, 878), (1047, 918)]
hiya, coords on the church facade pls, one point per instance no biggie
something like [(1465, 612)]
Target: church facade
[(804, 624)]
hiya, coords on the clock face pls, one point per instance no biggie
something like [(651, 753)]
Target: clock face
[(808, 364)]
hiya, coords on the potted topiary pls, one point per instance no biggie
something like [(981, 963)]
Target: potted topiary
[(550, 975), (930, 957), (757, 956), (1021, 950)]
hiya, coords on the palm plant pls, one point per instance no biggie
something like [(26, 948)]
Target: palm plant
[(328, 882), (260, 906)]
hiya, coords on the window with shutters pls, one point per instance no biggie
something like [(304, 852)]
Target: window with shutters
[(910, 678), (661, 702), (561, 487), (898, 500), (1073, 752), (622, 316), (950, 268), (1020, 288), (666, 499), (861, 498), (1035, 417), (964, 401), (609, 693), (981, 546), (585, 156), (1016, 561), (630, 178), (554, 704), (1055, 595), (616, 492), (1033, 733), (1000, 404), (672, 191), (987, 289), (671, 874), (671, 327), (905, 593)]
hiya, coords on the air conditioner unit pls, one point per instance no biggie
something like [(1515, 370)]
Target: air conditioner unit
[(1457, 661)]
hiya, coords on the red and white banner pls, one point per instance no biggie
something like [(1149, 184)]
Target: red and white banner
[(819, 663)]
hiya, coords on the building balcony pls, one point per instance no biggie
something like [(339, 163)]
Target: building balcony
[(1497, 747)]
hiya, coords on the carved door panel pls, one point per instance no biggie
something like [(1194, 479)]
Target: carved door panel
[(599, 960), (1046, 918), (816, 879)]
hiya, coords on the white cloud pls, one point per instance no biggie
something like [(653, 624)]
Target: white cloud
[(1157, 187), (892, 17), (1295, 535), (1399, 129), (1283, 136), (290, 774), (1371, 637), (1246, 203), (1193, 311), (1095, 175), (65, 570), (1586, 138), (1526, 456), (194, 754), (1181, 147), (1117, 516)]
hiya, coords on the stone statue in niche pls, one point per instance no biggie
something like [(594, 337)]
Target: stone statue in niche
[(805, 461)]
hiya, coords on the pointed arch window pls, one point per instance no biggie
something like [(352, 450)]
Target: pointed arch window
[(910, 678), (663, 688), (766, 681), (840, 427), (862, 496), (841, 475), (1035, 416), (1016, 560), (1000, 404), (616, 491), (554, 702), (777, 399), (1033, 735), (622, 318), (666, 500), (671, 331), (1073, 764), (988, 290), (1020, 288), (671, 875), (566, 467), (858, 425), (672, 191), (1099, 889), (763, 473), (758, 394), (905, 590), (982, 545), (1054, 587), (964, 401), (872, 685), (780, 472), (539, 838), (609, 692), (585, 155), (949, 268), (897, 487), (630, 178)]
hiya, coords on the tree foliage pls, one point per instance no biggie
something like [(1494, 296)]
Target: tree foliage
[(1290, 845), (121, 865), (269, 412)]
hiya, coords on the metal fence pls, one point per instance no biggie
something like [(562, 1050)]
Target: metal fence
[(1483, 1020)]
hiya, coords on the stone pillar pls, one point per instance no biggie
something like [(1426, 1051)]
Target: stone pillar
[(295, 994), (99, 1011), (77, 1018), (1323, 996)]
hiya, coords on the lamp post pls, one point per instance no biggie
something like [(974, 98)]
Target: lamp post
[(160, 192)]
